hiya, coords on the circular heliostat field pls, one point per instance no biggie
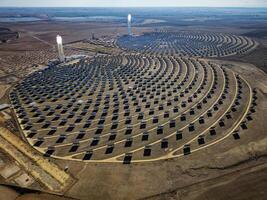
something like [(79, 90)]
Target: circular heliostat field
[(187, 44), (131, 108)]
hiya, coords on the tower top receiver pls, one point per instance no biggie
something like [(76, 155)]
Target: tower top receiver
[(59, 39), (129, 17)]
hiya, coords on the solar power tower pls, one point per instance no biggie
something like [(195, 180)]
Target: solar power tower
[(60, 49), (129, 24)]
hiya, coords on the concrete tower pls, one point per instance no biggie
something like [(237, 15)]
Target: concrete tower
[(130, 24), (61, 55)]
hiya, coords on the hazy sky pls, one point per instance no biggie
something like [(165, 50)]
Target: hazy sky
[(133, 3)]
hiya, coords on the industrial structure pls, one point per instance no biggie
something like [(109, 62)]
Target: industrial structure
[(129, 24), (61, 55)]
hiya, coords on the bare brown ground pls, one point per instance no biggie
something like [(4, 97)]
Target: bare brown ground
[(7, 193), (41, 197), (248, 184)]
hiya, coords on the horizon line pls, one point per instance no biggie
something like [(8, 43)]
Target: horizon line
[(133, 7)]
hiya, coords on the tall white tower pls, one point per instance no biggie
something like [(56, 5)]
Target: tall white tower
[(130, 24), (61, 55)]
